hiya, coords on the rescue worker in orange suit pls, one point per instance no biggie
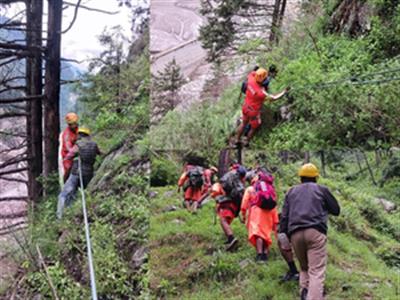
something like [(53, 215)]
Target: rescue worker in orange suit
[(68, 140), (208, 179), (260, 222), (256, 95), (227, 209), (208, 176), (304, 220), (193, 191)]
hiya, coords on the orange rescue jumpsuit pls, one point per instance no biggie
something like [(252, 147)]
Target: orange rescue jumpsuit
[(69, 138), (255, 97), (191, 194)]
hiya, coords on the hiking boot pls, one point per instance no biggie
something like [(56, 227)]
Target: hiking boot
[(261, 258), (289, 276), (231, 245), (264, 257)]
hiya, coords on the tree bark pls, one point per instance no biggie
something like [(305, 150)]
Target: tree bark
[(34, 108), (275, 20), (281, 14), (52, 87)]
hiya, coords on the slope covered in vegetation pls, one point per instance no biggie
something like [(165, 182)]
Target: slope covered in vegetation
[(346, 79), (188, 260), (343, 95), (116, 197)]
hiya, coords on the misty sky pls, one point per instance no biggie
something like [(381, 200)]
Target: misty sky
[(81, 42)]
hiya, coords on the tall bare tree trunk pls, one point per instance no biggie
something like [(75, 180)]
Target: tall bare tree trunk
[(34, 88), (275, 21), (52, 86), (281, 15)]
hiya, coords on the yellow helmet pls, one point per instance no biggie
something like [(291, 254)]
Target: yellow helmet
[(71, 118), (261, 74), (84, 130), (308, 170)]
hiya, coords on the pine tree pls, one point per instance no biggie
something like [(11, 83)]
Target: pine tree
[(231, 23), (167, 84)]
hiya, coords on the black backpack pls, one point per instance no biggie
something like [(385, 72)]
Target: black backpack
[(233, 187), (196, 177)]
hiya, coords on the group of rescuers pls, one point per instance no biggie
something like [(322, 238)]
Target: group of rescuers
[(302, 223)]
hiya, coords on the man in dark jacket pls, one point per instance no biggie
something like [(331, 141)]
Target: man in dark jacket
[(86, 150), (304, 220)]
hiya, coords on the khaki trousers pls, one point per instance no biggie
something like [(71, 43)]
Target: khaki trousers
[(310, 248)]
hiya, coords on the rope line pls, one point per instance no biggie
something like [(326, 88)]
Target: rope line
[(88, 243)]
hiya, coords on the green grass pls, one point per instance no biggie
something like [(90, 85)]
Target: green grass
[(188, 261)]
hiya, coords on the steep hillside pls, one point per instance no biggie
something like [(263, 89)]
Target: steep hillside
[(51, 254), (335, 78), (188, 261)]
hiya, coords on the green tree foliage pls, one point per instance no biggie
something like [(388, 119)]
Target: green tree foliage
[(385, 29), (115, 98), (218, 33), (167, 84), (341, 96)]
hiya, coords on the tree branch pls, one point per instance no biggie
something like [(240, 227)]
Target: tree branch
[(14, 179), (74, 17), (13, 161), (93, 9), (12, 228), (21, 135), (25, 199), (13, 171), (13, 215), (12, 88), (14, 46), (21, 99)]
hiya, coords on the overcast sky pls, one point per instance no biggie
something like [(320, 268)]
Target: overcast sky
[(81, 41)]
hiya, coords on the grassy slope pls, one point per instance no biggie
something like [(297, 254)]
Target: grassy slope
[(118, 216), (187, 260)]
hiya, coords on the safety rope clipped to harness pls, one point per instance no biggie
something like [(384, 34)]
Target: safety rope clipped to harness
[(88, 243)]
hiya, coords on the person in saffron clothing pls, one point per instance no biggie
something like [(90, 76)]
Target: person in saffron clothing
[(260, 222)]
